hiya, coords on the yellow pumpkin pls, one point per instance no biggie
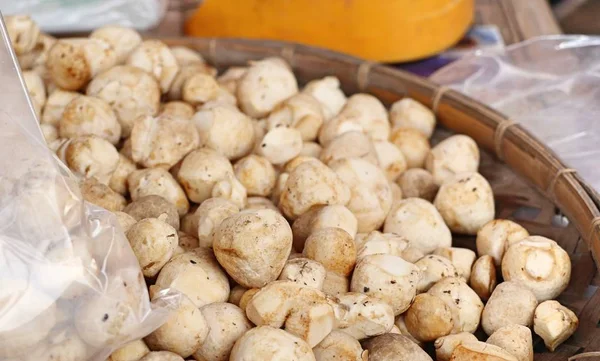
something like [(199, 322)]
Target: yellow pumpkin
[(379, 30)]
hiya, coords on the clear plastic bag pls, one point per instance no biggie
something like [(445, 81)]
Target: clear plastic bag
[(70, 285), (59, 16), (550, 85)]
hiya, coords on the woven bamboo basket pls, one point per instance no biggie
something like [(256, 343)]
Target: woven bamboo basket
[(530, 184)]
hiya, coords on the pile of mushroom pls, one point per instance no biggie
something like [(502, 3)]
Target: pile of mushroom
[(296, 223)]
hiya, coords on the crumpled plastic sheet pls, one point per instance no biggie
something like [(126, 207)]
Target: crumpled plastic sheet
[(87, 15), (550, 85), (69, 280)]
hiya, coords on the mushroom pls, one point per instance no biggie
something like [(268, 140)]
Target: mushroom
[(429, 318), (454, 155), (281, 144), (514, 339), (121, 39), (247, 296), (496, 236), (301, 112), (264, 85), (256, 174), (162, 141), (153, 242), (413, 145), (476, 351), (130, 91), (89, 116), (227, 324), (388, 278), (554, 323), (483, 277), (162, 356), (231, 189), (183, 333), (177, 109), (270, 343), (400, 325), (118, 180), (157, 59), (311, 149), (444, 346), (35, 59), (236, 294), (73, 62), (420, 222), (362, 112), (409, 113), (125, 221), (187, 242), (461, 258), (157, 181), (280, 187), (183, 272), (388, 243), (335, 284), (37, 91), (319, 217), (253, 246), (133, 351), (418, 183), (328, 93), (463, 301), (90, 156), (367, 316), (312, 183), (333, 248), (539, 264), (371, 196), (101, 195), (466, 202), (295, 162), (55, 105), (302, 311), (338, 346), (510, 303), (210, 214), (186, 56), (393, 347), (230, 78), (351, 144), (304, 271), (432, 269), (390, 158), (260, 203), (153, 206), (197, 88), (200, 171), (23, 33)]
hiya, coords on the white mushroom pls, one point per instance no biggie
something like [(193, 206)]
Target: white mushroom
[(37, 91), (133, 351), (388, 278), (413, 145), (269, 343), (130, 91), (409, 113), (539, 264), (483, 277), (327, 91), (73, 62), (496, 236), (335, 284), (304, 271), (387, 243), (418, 183), (231, 189), (429, 318), (122, 40), (390, 158), (444, 346), (209, 215), (301, 112), (156, 58), (23, 33), (186, 56), (230, 78), (264, 85), (281, 144), (366, 317), (420, 222), (371, 196), (338, 346), (177, 109), (432, 269), (253, 246), (311, 149), (153, 206), (461, 258), (466, 202), (200, 171), (260, 203), (89, 116), (476, 350), (55, 105), (118, 180), (352, 144), (394, 347), (101, 195), (333, 248), (319, 217), (90, 156), (454, 155), (463, 301), (153, 242), (514, 339), (554, 323), (510, 303), (227, 324), (198, 88), (257, 175), (157, 181)]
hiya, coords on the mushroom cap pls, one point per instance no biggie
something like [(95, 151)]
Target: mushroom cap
[(249, 263), (496, 236), (554, 323), (177, 109), (463, 301), (153, 206), (420, 222), (429, 318), (461, 258), (432, 269), (200, 171), (257, 175), (118, 180), (101, 195), (332, 247), (90, 156), (123, 40), (338, 346), (304, 271), (351, 144), (23, 32), (319, 217), (185, 55), (269, 343), (302, 112), (366, 316), (417, 183), (510, 303), (394, 347), (476, 350), (153, 242), (335, 284), (155, 57), (55, 104), (280, 145), (210, 214), (157, 181), (376, 242), (514, 339), (444, 346), (260, 203), (230, 78), (413, 145), (539, 264), (409, 113), (483, 277), (328, 93), (455, 154), (311, 149), (466, 202), (391, 159), (134, 350)]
